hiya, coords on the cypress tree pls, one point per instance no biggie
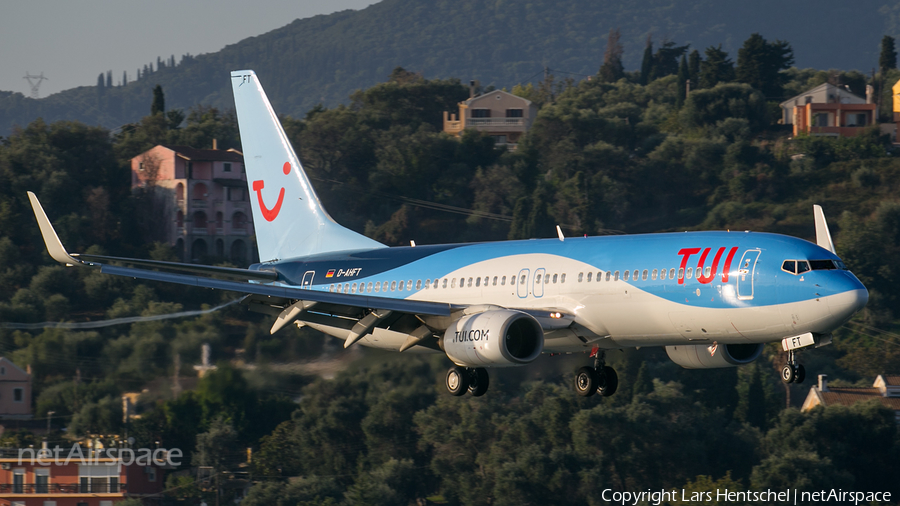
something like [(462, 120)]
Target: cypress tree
[(109, 79), (888, 58), (159, 101), (612, 69), (647, 62), (694, 68), (100, 81), (683, 75), (643, 384), (716, 68), (124, 77)]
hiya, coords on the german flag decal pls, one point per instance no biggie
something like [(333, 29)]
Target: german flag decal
[(330, 273)]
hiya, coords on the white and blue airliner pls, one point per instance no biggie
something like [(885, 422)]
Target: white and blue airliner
[(712, 299)]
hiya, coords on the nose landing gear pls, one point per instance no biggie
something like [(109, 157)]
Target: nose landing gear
[(793, 372), (600, 379)]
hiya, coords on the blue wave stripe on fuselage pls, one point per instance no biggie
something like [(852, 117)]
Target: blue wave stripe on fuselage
[(608, 253)]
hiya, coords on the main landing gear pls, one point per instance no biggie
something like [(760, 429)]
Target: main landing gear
[(600, 379), (792, 372), (474, 380)]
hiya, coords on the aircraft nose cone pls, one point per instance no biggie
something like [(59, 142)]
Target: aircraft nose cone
[(846, 304)]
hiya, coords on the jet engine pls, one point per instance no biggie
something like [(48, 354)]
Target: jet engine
[(496, 338), (700, 356)]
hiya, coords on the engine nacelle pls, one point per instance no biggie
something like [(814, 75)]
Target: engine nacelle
[(697, 356), (497, 338)]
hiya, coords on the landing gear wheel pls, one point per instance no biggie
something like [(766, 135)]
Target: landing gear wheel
[(586, 381), (609, 382), (787, 374), (457, 380), (479, 381), (799, 373)]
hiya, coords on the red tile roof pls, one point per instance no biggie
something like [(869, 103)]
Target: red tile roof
[(850, 396), (893, 381)]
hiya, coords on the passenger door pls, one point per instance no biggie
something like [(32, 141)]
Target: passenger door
[(746, 274)]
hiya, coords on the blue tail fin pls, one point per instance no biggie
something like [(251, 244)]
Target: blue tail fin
[(288, 218)]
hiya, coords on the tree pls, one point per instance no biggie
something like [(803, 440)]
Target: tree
[(665, 60), (100, 81), (760, 64), (647, 63), (683, 76), (159, 101), (694, 62), (752, 404), (109, 83), (888, 58), (717, 68), (612, 69)]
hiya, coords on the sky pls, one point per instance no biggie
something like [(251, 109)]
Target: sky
[(72, 42)]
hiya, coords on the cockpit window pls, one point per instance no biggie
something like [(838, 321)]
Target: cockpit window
[(802, 266), (789, 266), (822, 265)]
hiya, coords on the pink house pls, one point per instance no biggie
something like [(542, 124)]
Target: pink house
[(200, 201), (15, 391)]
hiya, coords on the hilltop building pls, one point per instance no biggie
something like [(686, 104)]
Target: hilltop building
[(15, 391), (830, 110), (199, 201), (502, 115), (886, 389)]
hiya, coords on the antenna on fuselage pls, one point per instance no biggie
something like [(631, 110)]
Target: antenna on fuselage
[(823, 235)]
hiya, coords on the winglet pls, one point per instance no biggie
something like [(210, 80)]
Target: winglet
[(51, 240), (823, 235)]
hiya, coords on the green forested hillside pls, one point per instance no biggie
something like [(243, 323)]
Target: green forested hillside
[(501, 43), (602, 157)]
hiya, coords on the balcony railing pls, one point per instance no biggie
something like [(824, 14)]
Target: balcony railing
[(63, 488), (496, 122)]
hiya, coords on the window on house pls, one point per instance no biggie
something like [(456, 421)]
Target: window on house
[(226, 167), (41, 481), (514, 113), (18, 394), (481, 113)]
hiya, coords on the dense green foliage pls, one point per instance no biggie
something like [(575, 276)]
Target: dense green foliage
[(602, 157), (323, 59)]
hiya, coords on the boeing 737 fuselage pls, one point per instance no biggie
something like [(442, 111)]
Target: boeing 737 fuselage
[(712, 299)]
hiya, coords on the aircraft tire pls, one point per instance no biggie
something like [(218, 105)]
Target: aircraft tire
[(787, 374), (586, 381), (479, 381), (609, 382), (799, 373), (457, 380)]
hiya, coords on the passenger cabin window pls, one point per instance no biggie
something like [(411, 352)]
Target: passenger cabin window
[(644, 275), (495, 281), (522, 280), (672, 273), (690, 272), (562, 278), (418, 284), (616, 276), (555, 277), (589, 277), (580, 277), (681, 273), (503, 281), (627, 275), (537, 279), (607, 275), (654, 274)]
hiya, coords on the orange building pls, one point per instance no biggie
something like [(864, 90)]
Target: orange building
[(200, 201), (502, 115), (833, 119), (94, 480)]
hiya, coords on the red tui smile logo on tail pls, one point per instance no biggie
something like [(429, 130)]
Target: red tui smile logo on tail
[(258, 185)]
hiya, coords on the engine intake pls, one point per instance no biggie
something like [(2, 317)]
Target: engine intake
[(498, 338), (697, 356)]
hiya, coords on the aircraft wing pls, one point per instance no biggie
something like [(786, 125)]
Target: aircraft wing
[(236, 280)]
